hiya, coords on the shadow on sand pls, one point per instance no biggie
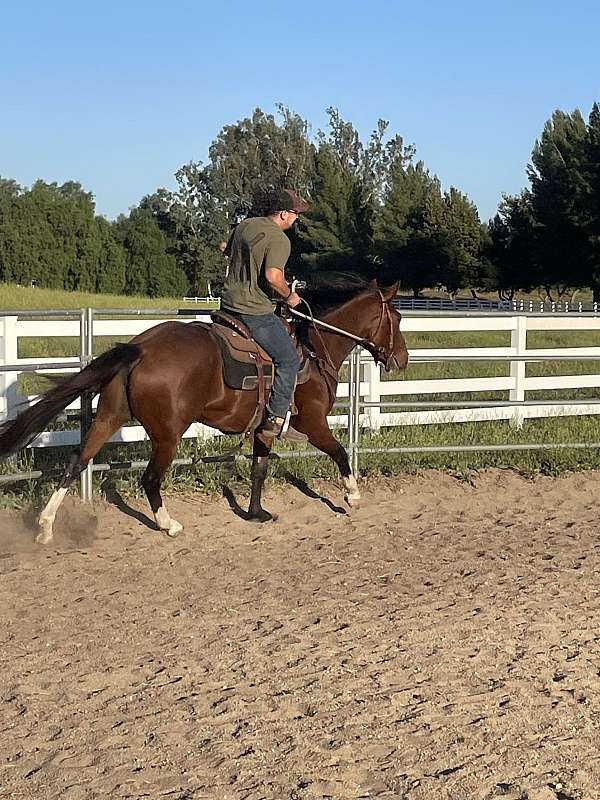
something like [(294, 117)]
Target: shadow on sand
[(112, 496)]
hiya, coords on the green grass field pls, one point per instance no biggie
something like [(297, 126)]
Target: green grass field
[(24, 297), (209, 478)]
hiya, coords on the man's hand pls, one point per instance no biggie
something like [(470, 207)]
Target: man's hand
[(278, 282), (293, 300)]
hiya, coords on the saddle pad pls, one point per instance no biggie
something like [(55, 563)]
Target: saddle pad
[(243, 349), (240, 366)]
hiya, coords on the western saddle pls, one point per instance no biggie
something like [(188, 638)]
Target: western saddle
[(246, 366)]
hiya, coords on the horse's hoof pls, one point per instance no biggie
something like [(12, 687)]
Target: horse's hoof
[(44, 536), (174, 529), (261, 516), (353, 502)]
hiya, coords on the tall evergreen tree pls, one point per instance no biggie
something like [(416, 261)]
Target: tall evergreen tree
[(338, 232), (456, 221), (48, 235), (592, 178), (350, 180), (513, 249), (409, 248), (559, 201)]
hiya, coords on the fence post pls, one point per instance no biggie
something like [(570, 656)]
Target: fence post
[(86, 354), (9, 398), (354, 409), (355, 403), (373, 380), (518, 343), (350, 411)]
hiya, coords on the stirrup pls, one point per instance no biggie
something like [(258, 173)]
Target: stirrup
[(272, 429)]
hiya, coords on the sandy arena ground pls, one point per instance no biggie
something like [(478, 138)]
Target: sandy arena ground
[(442, 642)]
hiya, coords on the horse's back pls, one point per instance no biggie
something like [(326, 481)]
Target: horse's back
[(174, 354), (165, 333)]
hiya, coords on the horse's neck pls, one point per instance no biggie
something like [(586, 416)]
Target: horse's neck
[(339, 347)]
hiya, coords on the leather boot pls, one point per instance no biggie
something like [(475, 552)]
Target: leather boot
[(271, 429)]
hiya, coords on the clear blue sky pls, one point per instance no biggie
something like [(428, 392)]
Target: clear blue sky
[(118, 95)]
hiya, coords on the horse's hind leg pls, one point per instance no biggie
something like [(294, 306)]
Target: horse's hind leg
[(113, 412), (163, 453)]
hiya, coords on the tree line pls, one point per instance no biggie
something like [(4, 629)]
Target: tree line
[(375, 209)]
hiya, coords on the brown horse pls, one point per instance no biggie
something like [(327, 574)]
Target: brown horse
[(172, 375)]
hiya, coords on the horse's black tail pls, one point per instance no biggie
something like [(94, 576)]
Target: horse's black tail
[(18, 433)]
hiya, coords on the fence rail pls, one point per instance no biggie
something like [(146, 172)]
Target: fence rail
[(364, 395), (517, 306)]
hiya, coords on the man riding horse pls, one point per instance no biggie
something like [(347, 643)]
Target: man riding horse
[(258, 250), (173, 374)]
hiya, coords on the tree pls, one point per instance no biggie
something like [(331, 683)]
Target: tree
[(592, 179), (112, 260), (370, 164), (149, 268), (48, 235), (408, 246), (455, 221), (194, 221), (73, 220), (9, 189), (350, 179), (245, 160), (338, 232), (256, 154), (512, 248), (559, 195)]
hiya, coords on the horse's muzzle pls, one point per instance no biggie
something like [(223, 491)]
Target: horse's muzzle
[(396, 362)]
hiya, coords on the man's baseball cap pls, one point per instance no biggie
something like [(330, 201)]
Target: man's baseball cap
[(285, 200)]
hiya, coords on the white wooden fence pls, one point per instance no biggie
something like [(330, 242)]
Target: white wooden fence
[(372, 388)]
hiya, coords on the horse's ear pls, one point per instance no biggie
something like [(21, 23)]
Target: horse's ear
[(389, 292)]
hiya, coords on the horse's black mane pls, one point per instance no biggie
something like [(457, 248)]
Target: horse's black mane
[(328, 289)]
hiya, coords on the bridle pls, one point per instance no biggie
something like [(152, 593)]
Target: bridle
[(380, 354)]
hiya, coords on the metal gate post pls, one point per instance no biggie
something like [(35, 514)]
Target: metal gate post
[(86, 346), (355, 407), (351, 382)]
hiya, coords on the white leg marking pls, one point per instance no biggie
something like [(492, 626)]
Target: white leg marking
[(165, 523), (352, 496), (46, 520)]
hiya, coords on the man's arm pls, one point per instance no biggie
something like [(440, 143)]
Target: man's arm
[(225, 247), (277, 280)]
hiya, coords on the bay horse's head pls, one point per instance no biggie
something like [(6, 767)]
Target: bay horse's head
[(363, 309), (382, 336)]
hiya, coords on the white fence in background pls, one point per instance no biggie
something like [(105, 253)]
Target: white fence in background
[(373, 388)]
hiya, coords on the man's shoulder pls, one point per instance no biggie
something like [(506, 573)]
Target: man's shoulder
[(254, 226)]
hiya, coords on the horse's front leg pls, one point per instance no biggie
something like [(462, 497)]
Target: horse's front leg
[(260, 463), (324, 440)]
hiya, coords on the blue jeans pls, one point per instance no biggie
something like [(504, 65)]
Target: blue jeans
[(271, 334)]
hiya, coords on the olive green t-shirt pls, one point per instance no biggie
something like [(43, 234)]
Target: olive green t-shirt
[(256, 244)]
